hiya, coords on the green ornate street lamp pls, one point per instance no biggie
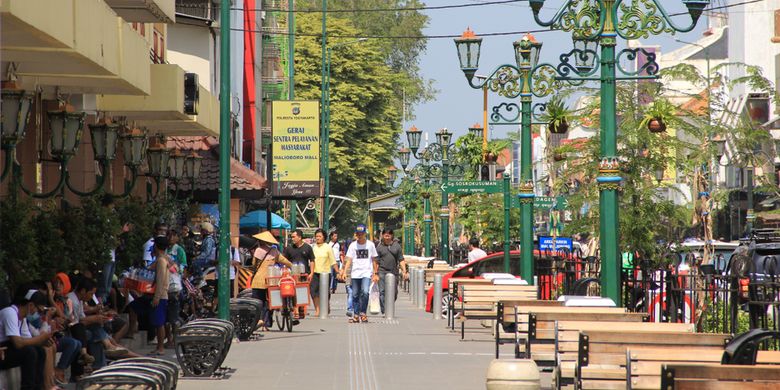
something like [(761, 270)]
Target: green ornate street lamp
[(601, 22), (512, 81), (436, 162)]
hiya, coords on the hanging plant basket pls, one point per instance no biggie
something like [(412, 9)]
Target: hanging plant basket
[(561, 128), (656, 125)]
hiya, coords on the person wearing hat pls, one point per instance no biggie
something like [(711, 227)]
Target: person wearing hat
[(208, 249), (24, 352), (266, 255), (363, 259)]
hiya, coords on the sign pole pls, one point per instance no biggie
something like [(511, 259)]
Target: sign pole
[(224, 162), (291, 87)]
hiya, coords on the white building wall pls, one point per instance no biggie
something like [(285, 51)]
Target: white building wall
[(752, 28), (193, 48)]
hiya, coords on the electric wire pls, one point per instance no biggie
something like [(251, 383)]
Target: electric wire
[(393, 9), (449, 36)]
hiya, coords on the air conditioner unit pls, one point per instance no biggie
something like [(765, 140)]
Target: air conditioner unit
[(191, 94)]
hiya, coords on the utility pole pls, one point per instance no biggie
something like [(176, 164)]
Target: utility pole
[(224, 161), (324, 112), (291, 86)]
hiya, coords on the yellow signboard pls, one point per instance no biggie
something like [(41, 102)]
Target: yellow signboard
[(296, 149)]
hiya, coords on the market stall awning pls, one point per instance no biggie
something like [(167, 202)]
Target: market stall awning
[(259, 219)]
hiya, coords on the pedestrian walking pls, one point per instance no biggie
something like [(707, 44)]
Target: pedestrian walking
[(391, 260), (266, 255), (159, 313), (301, 254), (324, 264), (334, 244), (474, 251), (361, 258)]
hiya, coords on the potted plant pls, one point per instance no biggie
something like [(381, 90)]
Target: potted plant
[(556, 116), (658, 115)]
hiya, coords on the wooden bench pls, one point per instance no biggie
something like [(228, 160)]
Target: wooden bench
[(601, 358), (539, 343), (453, 289), (643, 365), (719, 376), (479, 302), (507, 326), (544, 336), (567, 345)]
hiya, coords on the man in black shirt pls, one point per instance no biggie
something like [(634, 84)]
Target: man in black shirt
[(391, 258), (300, 253)]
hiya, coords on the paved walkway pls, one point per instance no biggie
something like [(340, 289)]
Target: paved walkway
[(412, 351)]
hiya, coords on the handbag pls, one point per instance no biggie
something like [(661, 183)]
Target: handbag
[(374, 306)]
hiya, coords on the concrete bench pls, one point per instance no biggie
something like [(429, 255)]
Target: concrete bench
[(719, 376), (601, 359), (202, 346), (643, 364)]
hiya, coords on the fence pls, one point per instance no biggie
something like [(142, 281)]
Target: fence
[(716, 303)]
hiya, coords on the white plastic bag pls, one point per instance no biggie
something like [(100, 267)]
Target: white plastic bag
[(374, 306)]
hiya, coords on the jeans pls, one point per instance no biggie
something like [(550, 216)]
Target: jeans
[(31, 359), (382, 289), (360, 288), (333, 281), (70, 348), (350, 307)]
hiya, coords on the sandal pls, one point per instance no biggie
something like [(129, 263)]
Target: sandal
[(363, 318), (354, 320)]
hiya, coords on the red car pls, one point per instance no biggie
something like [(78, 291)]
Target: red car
[(492, 263)]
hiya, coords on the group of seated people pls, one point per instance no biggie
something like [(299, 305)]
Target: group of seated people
[(63, 316)]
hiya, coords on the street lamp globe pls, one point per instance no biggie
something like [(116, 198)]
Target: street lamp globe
[(65, 132), (157, 157), (536, 5), (403, 155), (720, 147), (444, 137), (15, 115), (104, 136), (695, 8), (468, 46), (659, 174), (527, 51), (392, 173), (476, 130), (585, 57), (413, 136), (193, 165), (176, 164), (134, 143)]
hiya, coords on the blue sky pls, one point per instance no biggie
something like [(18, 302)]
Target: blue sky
[(456, 106)]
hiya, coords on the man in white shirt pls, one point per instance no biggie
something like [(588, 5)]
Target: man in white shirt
[(23, 350), (474, 252), (363, 258)]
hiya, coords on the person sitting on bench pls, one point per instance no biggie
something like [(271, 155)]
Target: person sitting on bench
[(26, 353)]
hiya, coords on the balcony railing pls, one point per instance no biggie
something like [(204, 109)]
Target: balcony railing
[(203, 9)]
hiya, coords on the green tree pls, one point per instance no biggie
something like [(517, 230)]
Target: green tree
[(365, 123), (400, 55)]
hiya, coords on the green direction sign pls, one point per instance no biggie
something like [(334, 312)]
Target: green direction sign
[(472, 187), (544, 202)]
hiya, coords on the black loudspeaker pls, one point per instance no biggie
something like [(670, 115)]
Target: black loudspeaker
[(191, 94)]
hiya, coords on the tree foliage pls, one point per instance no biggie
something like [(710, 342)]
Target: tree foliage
[(365, 122)]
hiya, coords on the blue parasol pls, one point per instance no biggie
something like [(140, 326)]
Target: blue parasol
[(259, 219)]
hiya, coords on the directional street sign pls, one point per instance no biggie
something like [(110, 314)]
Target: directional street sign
[(544, 202), (471, 187)]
